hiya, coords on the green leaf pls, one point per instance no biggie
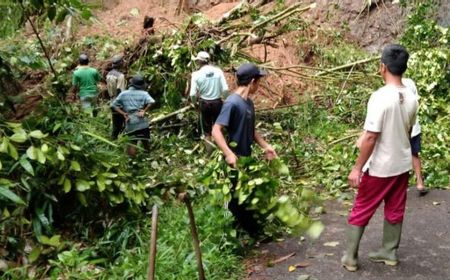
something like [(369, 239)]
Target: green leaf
[(40, 156), (4, 145), (54, 241), (86, 14), (51, 12), (75, 147), (34, 254), (37, 134), (75, 166), (101, 184), (32, 153), (13, 125), (19, 137), (82, 185), (13, 151), (44, 148), (315, 230), (67, 185), (37, 4), (82, 199), (60, 154), (1, 165), (6, 193), (26, 165), (59, 18)]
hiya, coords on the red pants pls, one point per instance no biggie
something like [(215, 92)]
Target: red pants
[(371, 191)]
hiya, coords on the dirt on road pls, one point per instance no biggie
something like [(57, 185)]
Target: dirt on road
[(424, 250)]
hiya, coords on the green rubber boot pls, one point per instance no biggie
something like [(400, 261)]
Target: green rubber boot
[(350, 259), (391, 239)]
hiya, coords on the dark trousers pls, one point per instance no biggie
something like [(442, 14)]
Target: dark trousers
[(244, 218), (210, 110), (118, 124)]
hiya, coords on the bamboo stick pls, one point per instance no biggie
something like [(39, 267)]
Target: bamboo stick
[(152, 258), (165, 117), (195, 240), (362, 61)]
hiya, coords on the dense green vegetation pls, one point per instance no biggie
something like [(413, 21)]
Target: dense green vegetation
[(73, 205)]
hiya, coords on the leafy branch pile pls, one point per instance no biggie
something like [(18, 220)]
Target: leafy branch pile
[(72, 205)]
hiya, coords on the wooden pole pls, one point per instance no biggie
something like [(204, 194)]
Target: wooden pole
[(198, 252), (152, 258)]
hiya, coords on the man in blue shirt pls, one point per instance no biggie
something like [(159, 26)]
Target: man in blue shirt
[(238, 117), (132, 105)]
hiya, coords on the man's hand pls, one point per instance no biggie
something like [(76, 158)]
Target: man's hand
[(141, 113), (354, 177), (270, 153), (125, 116), (231, 160)]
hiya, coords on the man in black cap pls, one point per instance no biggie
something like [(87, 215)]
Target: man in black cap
[(238, 116), (115, 83), (84, 81), (132, 105)]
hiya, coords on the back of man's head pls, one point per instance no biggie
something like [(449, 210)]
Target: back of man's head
[(83, 59), (395, 57), (117, 61)]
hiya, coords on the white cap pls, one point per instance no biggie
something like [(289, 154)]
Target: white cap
[(203, 56)]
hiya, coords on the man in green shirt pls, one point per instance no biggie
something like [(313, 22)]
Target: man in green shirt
[(84, 81)]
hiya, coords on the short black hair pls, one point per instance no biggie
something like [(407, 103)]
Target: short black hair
[(83, 59), (395, 57)]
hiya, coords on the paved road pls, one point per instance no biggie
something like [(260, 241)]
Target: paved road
[(424, 250)]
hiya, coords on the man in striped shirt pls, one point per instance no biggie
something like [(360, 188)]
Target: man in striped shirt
[(132, 105)]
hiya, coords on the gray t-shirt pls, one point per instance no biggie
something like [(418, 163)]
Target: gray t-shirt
[(131, 101), (238, 116)]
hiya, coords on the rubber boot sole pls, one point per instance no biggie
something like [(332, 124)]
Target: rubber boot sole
[(350, 268), (386, 262)]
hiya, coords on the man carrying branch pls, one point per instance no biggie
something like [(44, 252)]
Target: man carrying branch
[(382, 167), (238, 117)]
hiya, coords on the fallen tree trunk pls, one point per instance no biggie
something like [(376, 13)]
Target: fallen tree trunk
[(345, 66), (170, 115)]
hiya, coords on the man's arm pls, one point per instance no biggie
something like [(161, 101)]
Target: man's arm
[(367, 144), (268, 149), (117, 105), (75, 88), (224, 85), (193, 90), (217, 134)]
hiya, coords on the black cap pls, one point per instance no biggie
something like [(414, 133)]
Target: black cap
[(248, 71), (83, 59), (138, 82)]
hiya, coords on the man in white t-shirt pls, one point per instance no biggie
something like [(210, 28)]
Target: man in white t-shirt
[(416, 143), (382, 168), (209, 85)]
